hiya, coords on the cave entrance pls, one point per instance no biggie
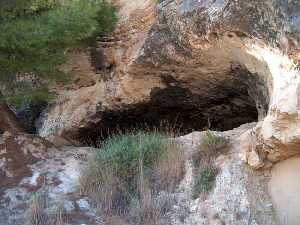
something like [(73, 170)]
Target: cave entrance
[(226, 106)]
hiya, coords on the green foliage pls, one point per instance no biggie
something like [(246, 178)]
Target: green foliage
[(14, 9), (106, 19), (29, 97), (35, 34), (123, 153), (132, 166), (210, 147), (213, 142), (28, 105), (205, 172), (204, 181)]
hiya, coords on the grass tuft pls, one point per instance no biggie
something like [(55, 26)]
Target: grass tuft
[(38, 213), (210, 147), (213, 142), (205, 171), (133, 168), (204, 180)]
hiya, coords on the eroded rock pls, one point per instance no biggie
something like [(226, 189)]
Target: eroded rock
[(284, 188), (227, 62), (17, 153), (240, 195), (55, 177)]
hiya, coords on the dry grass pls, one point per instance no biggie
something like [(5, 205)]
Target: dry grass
[(150, 208), (151, 211), (210, 147), (38, 214), (213, 142), (205, 171), (126, 176), (103, 187), (170, 167)]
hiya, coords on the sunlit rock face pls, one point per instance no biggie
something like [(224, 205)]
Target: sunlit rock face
[(201, 63)]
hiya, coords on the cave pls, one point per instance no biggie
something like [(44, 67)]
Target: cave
[(241, 99)]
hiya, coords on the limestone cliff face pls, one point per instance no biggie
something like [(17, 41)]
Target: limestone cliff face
[(207, 63)]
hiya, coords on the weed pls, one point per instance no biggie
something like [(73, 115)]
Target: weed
[(39, 214), (126, 175), (205, 172), (204, 181), (211, 146), (213, 142), (36, 214)]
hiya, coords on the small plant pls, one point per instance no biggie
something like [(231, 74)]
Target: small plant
[(204, 181), (37, 213), (169, 168), (213, 142), (119, 158), (152, 211), (133, 168), (205, 172), (211, 146)]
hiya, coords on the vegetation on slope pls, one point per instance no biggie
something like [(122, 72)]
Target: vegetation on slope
[(126, 175), (205, 171), (35, 36)]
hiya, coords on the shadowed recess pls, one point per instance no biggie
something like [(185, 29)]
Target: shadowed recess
[(229, 105)]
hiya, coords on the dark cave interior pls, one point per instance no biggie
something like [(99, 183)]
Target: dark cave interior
[(228, 106)]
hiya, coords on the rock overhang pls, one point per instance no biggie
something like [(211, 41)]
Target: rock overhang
[(203, 47)]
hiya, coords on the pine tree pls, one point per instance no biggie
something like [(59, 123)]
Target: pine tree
[(35, 36)]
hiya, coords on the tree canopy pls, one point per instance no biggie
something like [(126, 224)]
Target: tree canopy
[(35, 35)]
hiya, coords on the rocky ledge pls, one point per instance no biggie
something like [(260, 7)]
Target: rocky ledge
[(217, 64), (191, 64)]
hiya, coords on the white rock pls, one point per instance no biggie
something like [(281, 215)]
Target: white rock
[(83, 205), (69, 206)]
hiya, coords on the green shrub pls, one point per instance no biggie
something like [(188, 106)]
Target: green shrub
[(210, 147), (123, 154), (106, 18), (35, 36), (213, 142), (30, 97), (204, 180), (205, 172), (131, 166), (121, 158)]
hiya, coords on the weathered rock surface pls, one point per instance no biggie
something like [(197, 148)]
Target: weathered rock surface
[(217, 64), (55, 176), (240, 195), (199, 63), (17, 153), (284, 188)]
